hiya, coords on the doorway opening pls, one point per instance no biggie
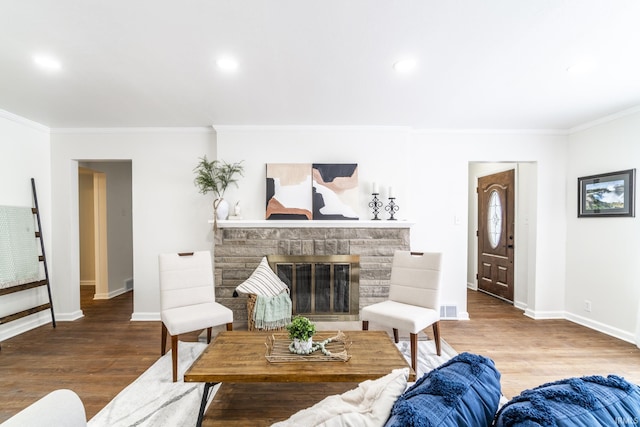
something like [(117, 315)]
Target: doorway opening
[(105, 228), (523, 230)]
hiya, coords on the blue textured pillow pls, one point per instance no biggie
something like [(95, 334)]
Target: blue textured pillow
[(465, 391), (586, 401)]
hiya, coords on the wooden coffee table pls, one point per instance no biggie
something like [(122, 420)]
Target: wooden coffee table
[(238, 358)]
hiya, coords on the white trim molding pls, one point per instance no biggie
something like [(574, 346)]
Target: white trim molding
[(146, 317), (601, 327), (24, 121)]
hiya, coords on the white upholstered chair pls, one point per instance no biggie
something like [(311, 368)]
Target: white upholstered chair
[(413, 303), (59, 408), (187, 299)]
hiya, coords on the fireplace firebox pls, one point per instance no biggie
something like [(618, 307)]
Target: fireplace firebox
[(323, 287)]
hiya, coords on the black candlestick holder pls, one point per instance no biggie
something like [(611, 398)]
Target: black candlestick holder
[(392, 208), (375, 204)]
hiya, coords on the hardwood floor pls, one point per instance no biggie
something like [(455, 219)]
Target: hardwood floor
[(96, 356), (531, 352), (100, 354)]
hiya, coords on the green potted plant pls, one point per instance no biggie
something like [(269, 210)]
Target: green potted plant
[(301, 331), (215, 176)]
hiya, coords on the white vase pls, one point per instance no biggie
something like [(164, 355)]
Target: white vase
[(305, 346), (221, 208)]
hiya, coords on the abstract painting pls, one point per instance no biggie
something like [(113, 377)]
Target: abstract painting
[(289, 191), (318, 191), (335, 191)]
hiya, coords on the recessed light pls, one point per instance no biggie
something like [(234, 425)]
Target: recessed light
[(227, 64), (405, 65), (47, 62)]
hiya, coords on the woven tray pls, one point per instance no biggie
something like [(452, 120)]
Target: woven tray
[(278, 350)]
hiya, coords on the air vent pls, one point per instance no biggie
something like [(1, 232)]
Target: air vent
[(448, 311)]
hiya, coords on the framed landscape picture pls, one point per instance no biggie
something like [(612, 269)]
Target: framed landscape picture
[(607, 195)]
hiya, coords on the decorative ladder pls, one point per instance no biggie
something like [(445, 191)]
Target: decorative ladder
[(42, 258)]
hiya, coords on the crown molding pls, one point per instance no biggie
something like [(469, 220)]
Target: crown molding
[(400, 129), (203, 129), (490, 131), (24, 121), (605, 119), (298, 128)]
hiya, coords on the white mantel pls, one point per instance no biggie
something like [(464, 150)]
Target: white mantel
[(311, 224)]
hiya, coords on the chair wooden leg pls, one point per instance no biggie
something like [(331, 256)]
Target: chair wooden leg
[(365, 325), (229, 326), (163, 343), (209, 335), (414, 351), (174, 356), (395, 335), (436, 337)]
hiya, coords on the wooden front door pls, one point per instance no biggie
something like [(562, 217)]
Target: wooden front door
[(496, 194)]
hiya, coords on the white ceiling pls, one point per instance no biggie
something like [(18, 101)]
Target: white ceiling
[(492, 64)]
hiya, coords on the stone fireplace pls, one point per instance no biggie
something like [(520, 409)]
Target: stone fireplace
[(240, 245)]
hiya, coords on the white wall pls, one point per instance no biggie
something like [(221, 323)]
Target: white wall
[(24, 148), (443, 158), (169, 215), (429, 174), (381, 154), (603, 254)]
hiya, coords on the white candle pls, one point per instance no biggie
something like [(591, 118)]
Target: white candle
[(375, 188), (391, 192)]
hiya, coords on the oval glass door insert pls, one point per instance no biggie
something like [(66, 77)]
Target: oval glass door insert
[(494, 219)]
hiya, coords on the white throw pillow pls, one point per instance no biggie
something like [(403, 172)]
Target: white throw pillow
[(368, 405), (263, 281)]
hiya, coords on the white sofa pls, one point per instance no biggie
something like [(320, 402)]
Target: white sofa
[(60, 408)]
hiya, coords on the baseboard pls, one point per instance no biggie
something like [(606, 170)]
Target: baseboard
[(601, 327), (112, 294), (472, 286), (87, 282), (463, 315), (35, 320), (520, 305), (25, 324), (583, 321), (544, 315), (69, 317), (145, 317)]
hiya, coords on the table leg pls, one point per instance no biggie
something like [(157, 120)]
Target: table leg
[(203, 404)]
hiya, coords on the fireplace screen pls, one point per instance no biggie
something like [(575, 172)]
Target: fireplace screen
[(322, 286)]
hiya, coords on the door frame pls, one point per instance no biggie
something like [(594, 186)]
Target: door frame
[(100, 235), (526, 175)]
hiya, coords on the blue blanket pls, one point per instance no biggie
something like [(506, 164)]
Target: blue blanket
[(586, 401)]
